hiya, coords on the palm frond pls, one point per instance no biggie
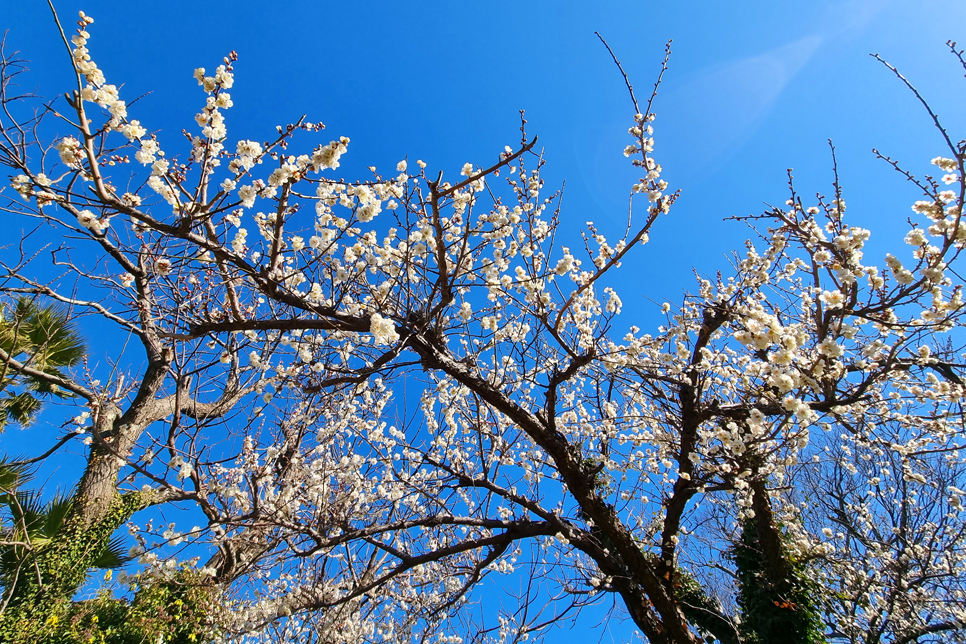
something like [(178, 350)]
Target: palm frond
[(20, 408), (45, 338), (114, 554), (56, 511), (13, 475), (53, 338), (29, 513)]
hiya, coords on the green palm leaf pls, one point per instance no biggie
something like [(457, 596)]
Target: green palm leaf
[(43, 338), (53, 338), (114, 554), (12, 476), (29, 514), (55, 512), (20, 408)]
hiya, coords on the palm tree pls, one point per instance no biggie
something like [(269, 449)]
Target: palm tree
[(42, 338)]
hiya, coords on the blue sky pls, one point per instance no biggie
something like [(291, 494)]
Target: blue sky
[(753, 88)]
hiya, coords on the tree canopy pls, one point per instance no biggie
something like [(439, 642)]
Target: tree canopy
[(379, 391)]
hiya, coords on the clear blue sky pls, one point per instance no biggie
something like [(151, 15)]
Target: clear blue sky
[(754, 88)]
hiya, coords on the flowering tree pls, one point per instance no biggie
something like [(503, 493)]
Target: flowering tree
[(793, 426)]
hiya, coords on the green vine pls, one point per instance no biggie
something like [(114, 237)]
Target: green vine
[(176, 610), (40, 598), (775, 611)]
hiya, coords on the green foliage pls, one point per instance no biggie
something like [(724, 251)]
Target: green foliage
[(12, 477), (46, 556), (178, 610), (41, 598), (785, 611), (43, 339), (30, 526)]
